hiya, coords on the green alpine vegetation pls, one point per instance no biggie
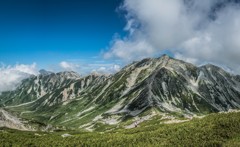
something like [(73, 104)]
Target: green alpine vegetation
[(222, 129)]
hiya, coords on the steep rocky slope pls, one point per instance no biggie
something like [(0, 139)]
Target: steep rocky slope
[(10, 121)]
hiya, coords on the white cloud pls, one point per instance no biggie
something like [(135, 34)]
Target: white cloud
[(11, 76), (107, 69), (130, 49), (68, 66), (85, 67), (193, 30)]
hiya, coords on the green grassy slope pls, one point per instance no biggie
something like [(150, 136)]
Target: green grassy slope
[(213, 130)]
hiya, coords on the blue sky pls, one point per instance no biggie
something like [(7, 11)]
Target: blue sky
[(95, 36), (50, 31), (81, 35)]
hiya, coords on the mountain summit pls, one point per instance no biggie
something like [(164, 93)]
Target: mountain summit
[(44, 72)]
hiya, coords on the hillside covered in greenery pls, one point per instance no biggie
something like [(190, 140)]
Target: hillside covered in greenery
[(221, 129)]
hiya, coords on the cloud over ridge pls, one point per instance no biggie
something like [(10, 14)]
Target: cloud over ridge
[(192, 30), (11, 76)]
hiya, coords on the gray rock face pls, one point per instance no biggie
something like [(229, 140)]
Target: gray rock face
[(10, 121), (52, 88), (176, 86)]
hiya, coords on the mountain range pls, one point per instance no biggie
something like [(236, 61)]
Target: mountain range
[(153, 86)]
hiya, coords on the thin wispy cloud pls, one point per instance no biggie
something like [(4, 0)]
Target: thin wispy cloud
[(87, 67)]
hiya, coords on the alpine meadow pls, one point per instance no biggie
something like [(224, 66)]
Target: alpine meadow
[(119, 73)]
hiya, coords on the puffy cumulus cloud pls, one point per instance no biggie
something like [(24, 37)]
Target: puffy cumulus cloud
[(68, 66), (11, 76), (193, 30), (219, 42)]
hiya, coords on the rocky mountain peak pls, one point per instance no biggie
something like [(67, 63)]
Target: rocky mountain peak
[(45, 72), (69, 74), (165, 57)]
